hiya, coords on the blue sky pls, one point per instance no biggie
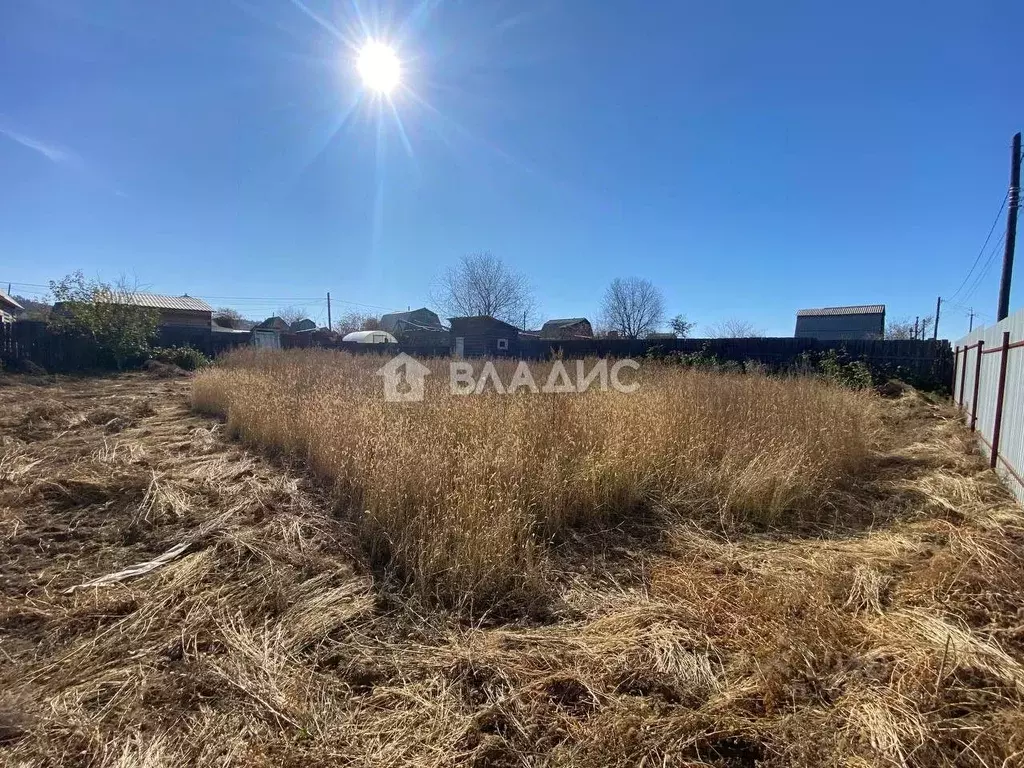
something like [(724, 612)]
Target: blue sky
[(749, 158)]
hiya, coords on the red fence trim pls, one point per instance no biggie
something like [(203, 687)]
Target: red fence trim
[(998, 426), (963, 378), (1006, 465), (977, 384), (1010, 346)]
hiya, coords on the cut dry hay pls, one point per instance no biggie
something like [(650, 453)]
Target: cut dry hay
[(884, 632)]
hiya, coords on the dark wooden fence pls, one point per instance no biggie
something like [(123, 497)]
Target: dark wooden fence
[(926, 364), (61, 353), (33, 340)]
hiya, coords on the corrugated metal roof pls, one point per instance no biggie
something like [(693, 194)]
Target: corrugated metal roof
[(159, 301), (6, 299), (863, 309)]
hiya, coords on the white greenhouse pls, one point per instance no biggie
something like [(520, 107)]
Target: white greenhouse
[(370, 337)]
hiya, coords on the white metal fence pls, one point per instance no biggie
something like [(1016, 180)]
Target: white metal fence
[(988, 387)]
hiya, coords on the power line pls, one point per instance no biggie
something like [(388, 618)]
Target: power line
[(984, 245), (984, 272)]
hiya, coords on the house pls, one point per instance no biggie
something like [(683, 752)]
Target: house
[(865, 321), (418, 327), (567, 328), (9, 308), (175, 311), (182, 320), (483, 336)]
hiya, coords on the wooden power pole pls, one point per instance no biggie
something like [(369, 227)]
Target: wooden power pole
[(1013, 202), (329, 326), (935, 327)]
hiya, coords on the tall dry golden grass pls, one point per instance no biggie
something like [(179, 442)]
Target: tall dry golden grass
[(457, 494)]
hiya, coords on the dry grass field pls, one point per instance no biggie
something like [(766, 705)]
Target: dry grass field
[(716, 570)]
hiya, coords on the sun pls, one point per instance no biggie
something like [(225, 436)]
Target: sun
[(379, 67)]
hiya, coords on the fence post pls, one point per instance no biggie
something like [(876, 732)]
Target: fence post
[(997, 427), (977, 384), (956, 363), (963, 376)]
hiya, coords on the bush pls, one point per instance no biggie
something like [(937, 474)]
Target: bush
[(108, 315), (189, 358), (837, 367)]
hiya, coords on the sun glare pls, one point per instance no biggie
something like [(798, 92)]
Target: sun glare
[(378, 67)]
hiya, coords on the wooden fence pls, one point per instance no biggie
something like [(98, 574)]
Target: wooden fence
[(33, 340), (988, 388), (62, 353), (927, 364)]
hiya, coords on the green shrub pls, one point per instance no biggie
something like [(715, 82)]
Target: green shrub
[(189, 358), (837, 367)]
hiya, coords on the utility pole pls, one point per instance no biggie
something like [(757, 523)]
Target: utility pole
[(971, 326), (935, 328), (916, 321), (1013, 202), (329, 326)]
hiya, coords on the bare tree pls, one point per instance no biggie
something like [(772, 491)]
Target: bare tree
[(356, 321), (903, 328), (292, 314), (632, 306), (481, 284), (226, 317), (735, 329)]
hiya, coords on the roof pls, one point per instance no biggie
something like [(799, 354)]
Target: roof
[(390, 321), (484, 318), (158, 301), (565, 321), (862, 309), (5, 298)]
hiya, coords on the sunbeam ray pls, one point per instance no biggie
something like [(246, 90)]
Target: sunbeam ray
[(378, 202), (401, 127)]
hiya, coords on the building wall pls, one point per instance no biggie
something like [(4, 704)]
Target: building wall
[(840, 327), (186, 317), (481, 335)]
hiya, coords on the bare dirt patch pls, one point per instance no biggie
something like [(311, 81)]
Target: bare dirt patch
[(891, 635)]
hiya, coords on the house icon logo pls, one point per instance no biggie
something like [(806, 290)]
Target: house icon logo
[(403, 379)]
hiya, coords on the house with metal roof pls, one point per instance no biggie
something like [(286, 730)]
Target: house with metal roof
[(863, 321)]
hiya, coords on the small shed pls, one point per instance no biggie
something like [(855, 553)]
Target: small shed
[(862, 321), (567, 328), (483, 336)]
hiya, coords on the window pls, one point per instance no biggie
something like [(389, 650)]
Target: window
[(502, 343)]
